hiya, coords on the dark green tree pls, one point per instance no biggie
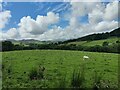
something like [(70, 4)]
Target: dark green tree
[(105, 43), (7, 46)]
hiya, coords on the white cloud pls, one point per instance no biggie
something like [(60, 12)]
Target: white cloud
[(10, 34), (1, 0), (97, 13), (106, 26), (4, 18), (111, 11), (29, 26), (101, 18), (0, 6), (84, 0), (53, 34)]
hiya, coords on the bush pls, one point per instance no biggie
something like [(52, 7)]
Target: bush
[(105, 43), (7, 46), (40, 73), (33, 74), (37, 73)]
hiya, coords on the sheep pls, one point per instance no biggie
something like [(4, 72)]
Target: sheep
[(85, 57)]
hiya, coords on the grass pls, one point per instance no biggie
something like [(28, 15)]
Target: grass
[(78, 78), (96, 42), (57, 63)]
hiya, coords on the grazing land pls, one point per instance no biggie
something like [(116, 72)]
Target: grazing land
[(58, 65), (111, 41)]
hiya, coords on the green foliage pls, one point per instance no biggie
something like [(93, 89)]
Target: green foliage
[(33, 74), (117, 41), (37, 73), (7, 46), (40, 72), (99, 36), (105, 43)]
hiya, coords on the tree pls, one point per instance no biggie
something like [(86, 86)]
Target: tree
[(117, 41), (105, 43), (7, 46)]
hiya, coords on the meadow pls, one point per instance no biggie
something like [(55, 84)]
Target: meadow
[(59, 67), (96, 42)]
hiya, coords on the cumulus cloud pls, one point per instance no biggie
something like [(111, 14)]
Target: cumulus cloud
[(10, 34), (82, 8), (111, 11), (101, 18), (106, 26), (30, 27), (4, 18)]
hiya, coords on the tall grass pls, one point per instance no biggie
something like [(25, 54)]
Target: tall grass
[(78, 78), (37, 73), (62, 83), (97, 80), (33, 74)]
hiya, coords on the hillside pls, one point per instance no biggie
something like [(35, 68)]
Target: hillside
[(111, 41), (99, 36), (83, 40), (105, 42)]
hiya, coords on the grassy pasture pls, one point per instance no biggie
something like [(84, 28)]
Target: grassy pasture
[(96, 42), (58, 64)]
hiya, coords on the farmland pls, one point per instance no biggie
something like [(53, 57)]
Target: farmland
[(58, 64)]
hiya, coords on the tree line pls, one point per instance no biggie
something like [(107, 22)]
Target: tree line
[(114, 48)]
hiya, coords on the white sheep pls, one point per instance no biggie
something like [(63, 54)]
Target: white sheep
[(85, 57)]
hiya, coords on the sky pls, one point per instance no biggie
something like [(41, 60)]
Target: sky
[(46, 21)]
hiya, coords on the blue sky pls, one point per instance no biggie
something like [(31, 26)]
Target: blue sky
[(56, 20), (21, 9)]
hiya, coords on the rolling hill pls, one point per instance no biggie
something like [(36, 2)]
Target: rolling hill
[(111, 40), (96, 39), (99, 36)]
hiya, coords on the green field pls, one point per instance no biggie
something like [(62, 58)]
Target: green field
[(58, 64), (96, 42)]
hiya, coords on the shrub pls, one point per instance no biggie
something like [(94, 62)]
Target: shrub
[(33, 74), (9, 70), (105, 43), (40, 73), (3, 66), (37, 73)]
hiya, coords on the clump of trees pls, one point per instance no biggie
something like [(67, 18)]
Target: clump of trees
[(113, 48), (105, 43), (7, 46)]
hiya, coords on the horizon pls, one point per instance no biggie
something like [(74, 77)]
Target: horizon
[(55, 40), (45, 21)]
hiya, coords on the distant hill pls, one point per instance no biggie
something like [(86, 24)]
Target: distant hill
[(93, 37), (99, 36)]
